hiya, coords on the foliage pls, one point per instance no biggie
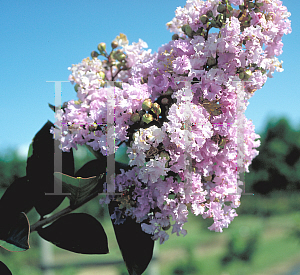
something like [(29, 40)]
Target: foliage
[(241, 246), (78, 232), (277, 167)]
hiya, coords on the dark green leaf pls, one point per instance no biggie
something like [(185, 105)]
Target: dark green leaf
[(121, 155), (40, 168), (136, 246), (4, 270), (97, 154), (18, 197), (95, 167), (81, 189), (52, 107), (14, 232), (77, 232)]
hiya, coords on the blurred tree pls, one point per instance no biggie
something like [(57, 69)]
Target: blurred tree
[(277, 167), (11, 167)]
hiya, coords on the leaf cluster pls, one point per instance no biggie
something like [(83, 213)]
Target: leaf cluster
[(45, 186)]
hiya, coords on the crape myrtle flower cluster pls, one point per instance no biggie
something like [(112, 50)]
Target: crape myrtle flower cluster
[(177, 109)]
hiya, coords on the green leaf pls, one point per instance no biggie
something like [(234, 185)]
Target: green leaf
[(95, 167), (52, 107), (136, 246), (4, 270), (14, 232), (97, 154), (121, 155), (40, 168), (81, 189), (77, 232), (18, 197)]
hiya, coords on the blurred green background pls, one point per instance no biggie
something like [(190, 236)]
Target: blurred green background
[(263, 239)]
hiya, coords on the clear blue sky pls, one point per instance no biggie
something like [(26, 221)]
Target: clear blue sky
[(41, 39)]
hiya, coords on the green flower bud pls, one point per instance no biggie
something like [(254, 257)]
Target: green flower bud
[(204, 19), (114, 44), (169, 91), (147, 118), (241, 75), (175, 36), (209, 14), (213, 23), (102, 47), (221, 8), (219, 17), (101, 75), (147, 104), (164, 154), (165, 228), (211, 61), (248, 73), (165, 101), (120, 57), (208, 178), (94, 54), (135, 117), (102, 83), (188, 30), (76, 87), (156, 108)]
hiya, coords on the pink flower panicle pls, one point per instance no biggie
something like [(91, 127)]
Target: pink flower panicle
[(187, 148)]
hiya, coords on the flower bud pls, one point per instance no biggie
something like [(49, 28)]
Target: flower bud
[(241, 75), (156, 108), (114, 44), (101, 75), (209, 14), (102, 47), (208, 178), (147, 104), (175, 36), (221, 8), (94, 54), (147, 118), (164, 101), (220, 17), (120, 57), (248, 73), (187, 30), (164, 154), (169, 91), (211, 61), (76, 87), (204, 19), (213, 23), (166, 227), (102, 83), (93, 127), (135, 117)]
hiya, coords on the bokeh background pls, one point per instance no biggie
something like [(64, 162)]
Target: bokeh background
[(41, 39)]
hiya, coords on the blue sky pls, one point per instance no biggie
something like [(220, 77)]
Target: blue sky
[(41, 39)]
